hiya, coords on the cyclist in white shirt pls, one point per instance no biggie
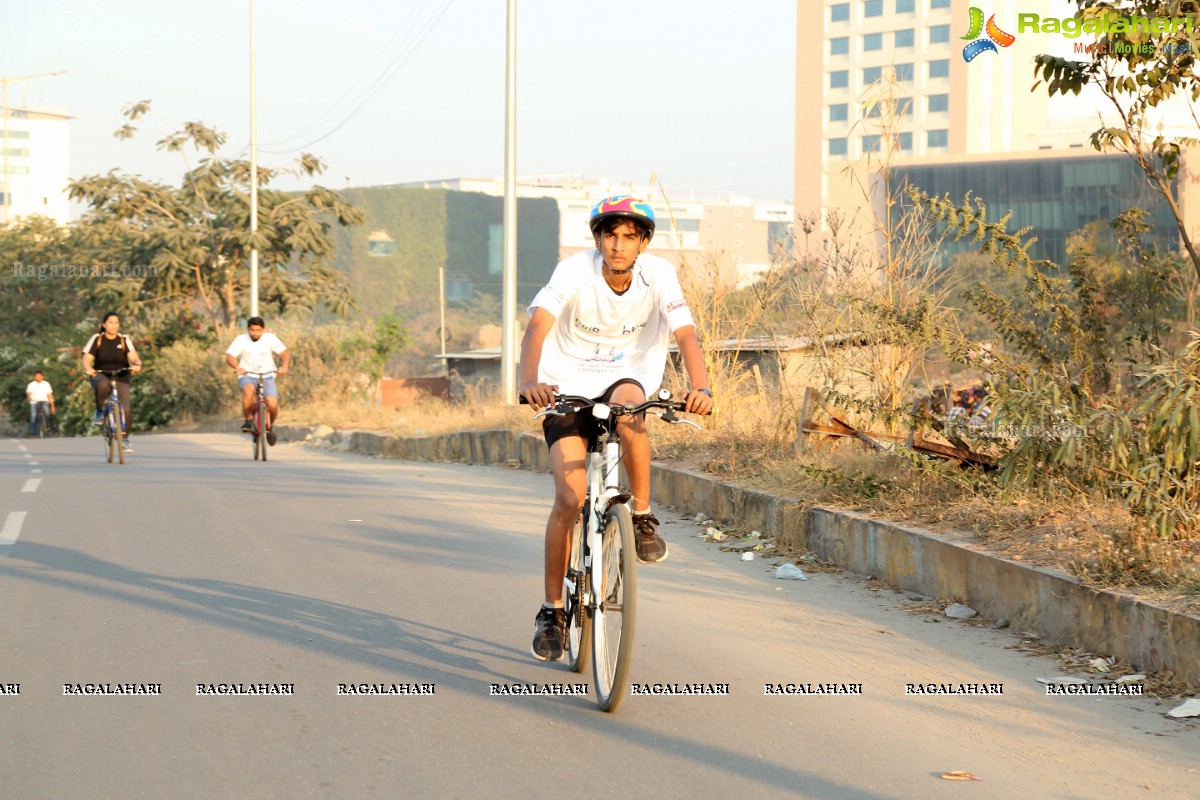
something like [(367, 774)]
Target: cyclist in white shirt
[(40, 395), (600, 329), (254, 352)]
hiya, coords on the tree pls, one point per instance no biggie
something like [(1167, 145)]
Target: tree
[(1136, 71), (181, 251)]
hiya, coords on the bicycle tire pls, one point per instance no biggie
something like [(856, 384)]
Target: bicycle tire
[(579, 617), (40, 421), (616, 609), (107, 432), (119, 434)]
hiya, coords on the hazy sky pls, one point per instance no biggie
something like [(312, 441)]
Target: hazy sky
[(702, 93)]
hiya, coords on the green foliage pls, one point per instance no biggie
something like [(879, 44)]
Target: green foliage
[(189, 246), (1136, 80)]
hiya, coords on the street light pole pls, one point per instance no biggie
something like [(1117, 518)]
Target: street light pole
[(253, 176), (508, 339), (4, 82)]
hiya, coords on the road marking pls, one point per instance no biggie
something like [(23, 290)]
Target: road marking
[(28, 455), (33, 463), (11, 529), (31, 485), (22, 448), (36, 471)]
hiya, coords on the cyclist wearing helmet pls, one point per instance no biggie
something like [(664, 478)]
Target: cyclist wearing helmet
[(600, 329)]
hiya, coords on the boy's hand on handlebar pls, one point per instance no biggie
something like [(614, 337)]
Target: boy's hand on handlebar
[(539, 395), (282, 370), (698, 402)]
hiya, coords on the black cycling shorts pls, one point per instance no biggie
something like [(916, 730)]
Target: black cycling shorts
[(582, 424)]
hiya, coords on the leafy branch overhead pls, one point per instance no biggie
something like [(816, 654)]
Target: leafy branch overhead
[(1137, 72), (195, 240)]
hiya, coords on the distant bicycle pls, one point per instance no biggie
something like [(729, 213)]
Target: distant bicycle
[(112, 417), (600, 587), (261, 421), (41, 420)]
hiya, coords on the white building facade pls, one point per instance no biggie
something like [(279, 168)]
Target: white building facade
[(34, 164)]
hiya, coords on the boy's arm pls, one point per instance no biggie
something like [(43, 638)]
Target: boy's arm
[(698, 402), (536, 394)]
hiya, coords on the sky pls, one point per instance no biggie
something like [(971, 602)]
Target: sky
[(699, 93)]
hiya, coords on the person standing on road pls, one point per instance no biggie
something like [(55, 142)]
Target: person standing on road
[(600, 329), (112, 351), (41, 396), (254, 352)]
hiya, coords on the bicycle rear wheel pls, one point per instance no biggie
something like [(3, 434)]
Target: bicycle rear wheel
[(616, 609), (579, 618)]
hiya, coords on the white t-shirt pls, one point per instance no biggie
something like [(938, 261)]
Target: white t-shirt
[(38, 391), (600, 337), (255, 356)]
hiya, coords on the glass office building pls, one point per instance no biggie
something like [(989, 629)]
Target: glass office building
[(1055, 196)]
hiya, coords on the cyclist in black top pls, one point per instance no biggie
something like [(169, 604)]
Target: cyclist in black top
[(110, 350)]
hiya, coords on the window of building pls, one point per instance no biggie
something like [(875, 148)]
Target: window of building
[(872, 41), (938, 138), (939, 34), (904, 106), (839, 112), (839, 46), (837, 147), (840, 79), (870, 143), (939, 68), (904, 72), (874, 109), (905, 38), (839, 12), (906, 140), (873, 8), (15, 135), (939, 103), (905, 6), (871, 74), (939, 4)]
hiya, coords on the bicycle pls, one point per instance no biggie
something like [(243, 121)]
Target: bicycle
[(262, 418), (600, 593), (41, 419), (112, 417)]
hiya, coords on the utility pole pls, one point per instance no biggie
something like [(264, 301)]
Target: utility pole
[(508, 338), (253, 176), (4, 82)]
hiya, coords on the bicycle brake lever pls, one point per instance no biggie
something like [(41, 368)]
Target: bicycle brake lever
[(686, 422)]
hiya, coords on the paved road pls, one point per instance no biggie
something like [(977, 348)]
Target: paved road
[(193, 566)]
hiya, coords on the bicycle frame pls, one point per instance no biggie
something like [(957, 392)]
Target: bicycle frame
[(113, 416)]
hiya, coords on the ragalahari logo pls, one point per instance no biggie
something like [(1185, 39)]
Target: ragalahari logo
[(992, 36)]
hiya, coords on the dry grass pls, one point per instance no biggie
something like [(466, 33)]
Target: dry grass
[(749, 442)]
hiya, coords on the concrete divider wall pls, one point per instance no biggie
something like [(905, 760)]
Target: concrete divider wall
[(1054, 605)]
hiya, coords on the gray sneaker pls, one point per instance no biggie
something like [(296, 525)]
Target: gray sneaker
[(549, 633), (649, 545)]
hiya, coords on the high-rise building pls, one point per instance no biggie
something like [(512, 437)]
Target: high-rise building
[(34, 164), (953, 82)]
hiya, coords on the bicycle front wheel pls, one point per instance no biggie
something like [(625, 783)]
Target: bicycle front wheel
[(260, 432), (579, 618), (616, 609), (107, 431), (119, 435)]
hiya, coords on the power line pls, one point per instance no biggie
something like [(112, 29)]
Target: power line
[(404, 51)]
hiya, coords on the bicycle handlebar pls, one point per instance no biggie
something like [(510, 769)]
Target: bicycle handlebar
[(113, 373), (569, 404)]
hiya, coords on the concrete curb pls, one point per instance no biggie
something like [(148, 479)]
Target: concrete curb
[(1053, 604)]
